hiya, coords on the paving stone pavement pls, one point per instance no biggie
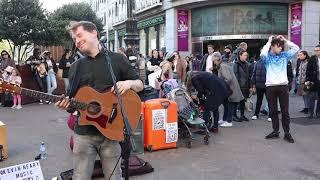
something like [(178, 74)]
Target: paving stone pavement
[(240, 152)]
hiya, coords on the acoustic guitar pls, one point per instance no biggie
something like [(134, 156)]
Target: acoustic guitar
[(101, 110)]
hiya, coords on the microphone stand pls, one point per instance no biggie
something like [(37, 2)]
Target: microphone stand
[(128, 144)]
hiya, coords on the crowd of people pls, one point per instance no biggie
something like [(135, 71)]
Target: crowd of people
[(44, 70), (225, 78), (268, 76)]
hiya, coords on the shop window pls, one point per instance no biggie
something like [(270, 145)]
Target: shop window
[(142, 42), (162, 34), (152, 38)]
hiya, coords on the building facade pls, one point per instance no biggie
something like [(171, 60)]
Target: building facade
[(232, 21), (190, 25)]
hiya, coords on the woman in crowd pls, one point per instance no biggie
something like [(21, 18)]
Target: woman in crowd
[(213, 90), (5, 60), (181, 68), (65, 64), (226, 73), (153, 66), (303, 58), (51, 69), (241, 70)]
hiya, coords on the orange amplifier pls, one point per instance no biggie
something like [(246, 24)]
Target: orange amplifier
[(3, 141), (160, 124)]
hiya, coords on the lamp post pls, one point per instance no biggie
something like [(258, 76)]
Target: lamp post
[(131, 37)]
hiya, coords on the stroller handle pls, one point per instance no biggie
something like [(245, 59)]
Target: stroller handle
[(165, 104)]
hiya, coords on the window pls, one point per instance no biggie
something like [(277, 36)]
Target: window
[(116, 10)]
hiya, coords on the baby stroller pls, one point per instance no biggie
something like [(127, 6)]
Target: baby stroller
[(188, 113)]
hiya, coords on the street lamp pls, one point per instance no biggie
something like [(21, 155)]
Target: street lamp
[(131, 37)]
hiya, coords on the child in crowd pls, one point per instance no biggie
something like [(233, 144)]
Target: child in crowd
[(12, 75)]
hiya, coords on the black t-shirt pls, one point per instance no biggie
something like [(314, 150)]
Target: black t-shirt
[(94, 72), (63, 65)]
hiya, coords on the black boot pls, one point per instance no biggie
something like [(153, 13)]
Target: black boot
[(273, 135), (244, 118), (288, 137), (236, 118)]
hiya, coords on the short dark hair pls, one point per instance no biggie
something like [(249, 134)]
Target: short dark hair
[(306, 54), (87, 26), (278, 42), (210, 45)]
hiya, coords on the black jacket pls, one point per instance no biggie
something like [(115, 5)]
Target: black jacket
[(313, 72), (204, 62), (212, 87), (242, 72)]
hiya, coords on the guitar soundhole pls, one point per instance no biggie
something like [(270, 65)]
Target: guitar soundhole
[(93, 108)]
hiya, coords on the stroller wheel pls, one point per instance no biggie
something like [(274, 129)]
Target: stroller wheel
[(189, 144), (206, 140)]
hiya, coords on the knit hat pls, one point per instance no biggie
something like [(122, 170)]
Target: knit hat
[(216, 56), (228, 47), (169, 55)]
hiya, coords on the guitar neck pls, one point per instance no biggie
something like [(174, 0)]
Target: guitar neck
[(52, 98)]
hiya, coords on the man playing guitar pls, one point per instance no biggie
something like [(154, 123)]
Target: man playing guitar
[(36, 63), (92, 71)]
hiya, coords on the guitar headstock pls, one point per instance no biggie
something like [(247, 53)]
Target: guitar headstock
[(9, 87)]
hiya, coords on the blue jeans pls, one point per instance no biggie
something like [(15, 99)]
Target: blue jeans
[(51, 82), (229, 108), (85, 150), (66, 84)]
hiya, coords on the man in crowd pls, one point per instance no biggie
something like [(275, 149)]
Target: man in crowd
[(207, 60), (276, 62)]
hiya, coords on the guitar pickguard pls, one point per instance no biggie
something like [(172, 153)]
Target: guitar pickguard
[(101, 120)]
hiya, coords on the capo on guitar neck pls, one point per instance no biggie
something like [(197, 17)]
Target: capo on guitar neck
[(113, 113)]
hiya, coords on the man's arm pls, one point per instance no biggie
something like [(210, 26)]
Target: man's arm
[(293, 48), (136, 85), (265, 49)]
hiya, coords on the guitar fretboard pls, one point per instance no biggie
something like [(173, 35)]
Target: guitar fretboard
[(52, 98)]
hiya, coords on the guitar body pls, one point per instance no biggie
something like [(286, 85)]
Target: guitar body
[(104, 111), (101, 110)]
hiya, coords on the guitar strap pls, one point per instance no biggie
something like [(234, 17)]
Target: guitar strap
[(75, 80)]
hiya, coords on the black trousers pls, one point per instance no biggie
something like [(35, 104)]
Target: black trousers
[(42, 82), (260, 93), (273, 94), (207, 115)]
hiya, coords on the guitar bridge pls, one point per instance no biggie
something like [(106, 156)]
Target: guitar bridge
[(113, 113)]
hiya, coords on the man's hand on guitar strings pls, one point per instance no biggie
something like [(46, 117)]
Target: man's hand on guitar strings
[(123, 86), (63, 103)]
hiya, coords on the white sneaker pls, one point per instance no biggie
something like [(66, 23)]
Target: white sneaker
[(13, 107), (269, 119), (254, 117), (40, 102), (221, 121), (19, 107), (226, 124)]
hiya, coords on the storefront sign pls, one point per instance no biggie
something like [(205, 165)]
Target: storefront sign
[(296, 22), (223, 37), (27, 171), (183, 30), (151, 22), (239, 19)]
